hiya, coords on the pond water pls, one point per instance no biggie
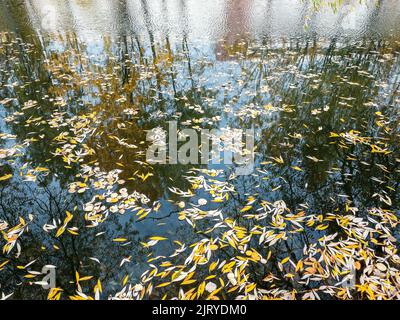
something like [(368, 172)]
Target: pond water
[(82, 83)]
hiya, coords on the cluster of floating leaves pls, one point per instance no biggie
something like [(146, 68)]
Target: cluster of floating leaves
[(238, 241), (251, 252)]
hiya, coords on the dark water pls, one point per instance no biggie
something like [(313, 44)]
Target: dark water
[(82, 81)]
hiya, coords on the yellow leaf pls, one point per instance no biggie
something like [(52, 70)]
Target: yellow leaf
[(6, 177), (60, 231), (212, 266), (158, 238), (285, 260), (250, 287), (321, 227), (299, 265), (3, 264), (188, 282), (98, 286), (163, 284), (297, 168), (125, 280), (246, 208)]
